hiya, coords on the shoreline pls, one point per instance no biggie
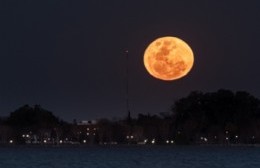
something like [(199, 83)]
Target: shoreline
[(127, 145)]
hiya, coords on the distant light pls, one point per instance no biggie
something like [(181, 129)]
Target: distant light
[(145, 141), (253, 137), (153, 141), (167, 141), (215, 137), (172, 141), (94, 133), (201, 138), (205, 139), (44, 141), (84, 141), (11, 141), (236, 136), (132, 137), (23, 135), (227, 138), (61, 141), (95, 129), (127, 137), (27, 136), (88, 129), (226, 132), (87, 133), (114, 143)]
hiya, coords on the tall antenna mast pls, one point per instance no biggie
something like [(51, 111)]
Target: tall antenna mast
[(127, 84)]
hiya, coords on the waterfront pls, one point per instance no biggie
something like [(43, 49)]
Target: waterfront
[(131, 156)]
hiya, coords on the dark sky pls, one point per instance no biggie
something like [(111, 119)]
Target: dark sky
[(68, 56)]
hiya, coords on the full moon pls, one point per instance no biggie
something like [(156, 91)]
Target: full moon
[(168, 58)]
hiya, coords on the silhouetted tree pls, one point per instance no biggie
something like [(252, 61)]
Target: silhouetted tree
[(32, 117), (219, 114), (33, 120)]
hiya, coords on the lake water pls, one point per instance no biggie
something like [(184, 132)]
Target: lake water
[(130, 157)]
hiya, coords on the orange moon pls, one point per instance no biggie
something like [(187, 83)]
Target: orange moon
[(168, 58)]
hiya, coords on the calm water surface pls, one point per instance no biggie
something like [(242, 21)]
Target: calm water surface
[(130, 157)]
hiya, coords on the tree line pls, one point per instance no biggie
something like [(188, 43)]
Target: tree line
[(221, 117)]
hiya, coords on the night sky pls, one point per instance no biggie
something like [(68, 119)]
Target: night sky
[(69, 56)]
